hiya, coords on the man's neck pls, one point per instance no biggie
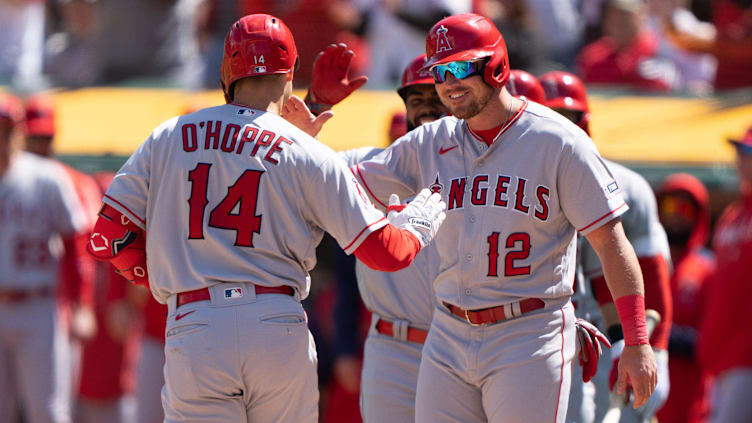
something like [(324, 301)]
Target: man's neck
[(498, 110), (268, 105)]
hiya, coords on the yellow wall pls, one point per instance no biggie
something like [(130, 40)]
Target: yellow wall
[(649, 129)]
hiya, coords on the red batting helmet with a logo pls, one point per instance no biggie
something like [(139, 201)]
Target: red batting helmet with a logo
[(415, 74), (469, 37), (257, 45), (524, 85), (566, 91)]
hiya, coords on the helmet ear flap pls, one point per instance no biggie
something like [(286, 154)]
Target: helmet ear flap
[(496, 71)]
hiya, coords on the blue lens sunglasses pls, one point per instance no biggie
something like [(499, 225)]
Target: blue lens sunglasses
[(460, 70)]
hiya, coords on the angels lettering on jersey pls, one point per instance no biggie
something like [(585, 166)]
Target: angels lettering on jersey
[(502, 191)]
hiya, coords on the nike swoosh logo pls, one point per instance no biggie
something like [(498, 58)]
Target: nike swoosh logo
[(443, 150), (180, 316)]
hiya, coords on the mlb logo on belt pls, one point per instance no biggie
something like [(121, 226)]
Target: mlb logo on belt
[(233, 292)]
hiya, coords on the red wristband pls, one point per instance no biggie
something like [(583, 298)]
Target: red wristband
[(631, 309)]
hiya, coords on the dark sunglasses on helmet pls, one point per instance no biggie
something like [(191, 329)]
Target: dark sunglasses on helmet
[(460, 70)]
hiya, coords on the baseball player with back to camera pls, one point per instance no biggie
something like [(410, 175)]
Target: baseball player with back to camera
[(519, 181), (566, 94), (225, 207), (41, 219)]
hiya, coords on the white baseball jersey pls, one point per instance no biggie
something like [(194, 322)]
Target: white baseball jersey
[(641, 225), (38, 205), (513, 208), (406, 294), (232, 194)]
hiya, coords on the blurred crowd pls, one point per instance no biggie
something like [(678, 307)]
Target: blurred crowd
[(114, 332), (685, 46)]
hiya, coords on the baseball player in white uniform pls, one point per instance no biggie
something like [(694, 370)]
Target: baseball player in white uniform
[(519, 181), (40, 216), (402, 302), (229, 204), (566, 93)]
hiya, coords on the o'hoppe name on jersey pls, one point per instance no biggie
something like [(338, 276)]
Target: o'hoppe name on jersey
[(232, 139), (508, 192)]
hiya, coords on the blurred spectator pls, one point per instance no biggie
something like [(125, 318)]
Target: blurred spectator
[(396, 33), (316, 24), (22, 35), (668, 17), (110, 41), (70, 50), (628, 52), (562, 25), (724, 344), (522, 34), (730, 45), (684, 210)]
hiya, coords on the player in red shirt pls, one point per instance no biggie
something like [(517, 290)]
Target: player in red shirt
[(684, 210), (724, 344)]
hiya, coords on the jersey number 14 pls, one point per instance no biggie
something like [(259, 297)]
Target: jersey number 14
[(243, 194)]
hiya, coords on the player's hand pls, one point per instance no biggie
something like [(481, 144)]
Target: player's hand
[(347, 370), (329, 83), (636, 369), (84, 323), (589, 340), (296, 112), (120, 318), (422, 217)]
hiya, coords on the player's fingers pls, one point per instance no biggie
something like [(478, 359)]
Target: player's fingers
[(621, 383), (321, 119), (357, 82), (394, 200)]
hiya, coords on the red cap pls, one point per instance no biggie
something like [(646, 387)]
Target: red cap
[(11, 108), (40, 116), (524, 85), (414, 74), (746, 140)]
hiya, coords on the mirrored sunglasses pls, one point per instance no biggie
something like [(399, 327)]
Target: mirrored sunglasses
[(460, 70)]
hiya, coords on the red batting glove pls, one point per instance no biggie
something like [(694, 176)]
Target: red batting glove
[(589, 339), (329, 84)]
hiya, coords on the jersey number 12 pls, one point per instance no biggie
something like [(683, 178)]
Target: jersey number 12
[(243, 194)]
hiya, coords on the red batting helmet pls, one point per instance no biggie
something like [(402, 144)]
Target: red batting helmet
[(40, 116), (566, 91), (11, 108), (524, 85), (257, 45), (469, 37), (415, 74)]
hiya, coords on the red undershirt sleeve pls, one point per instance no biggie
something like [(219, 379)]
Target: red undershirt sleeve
[(388, 249)]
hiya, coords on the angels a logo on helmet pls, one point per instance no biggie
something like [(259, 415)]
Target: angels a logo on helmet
[(442, 42)]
